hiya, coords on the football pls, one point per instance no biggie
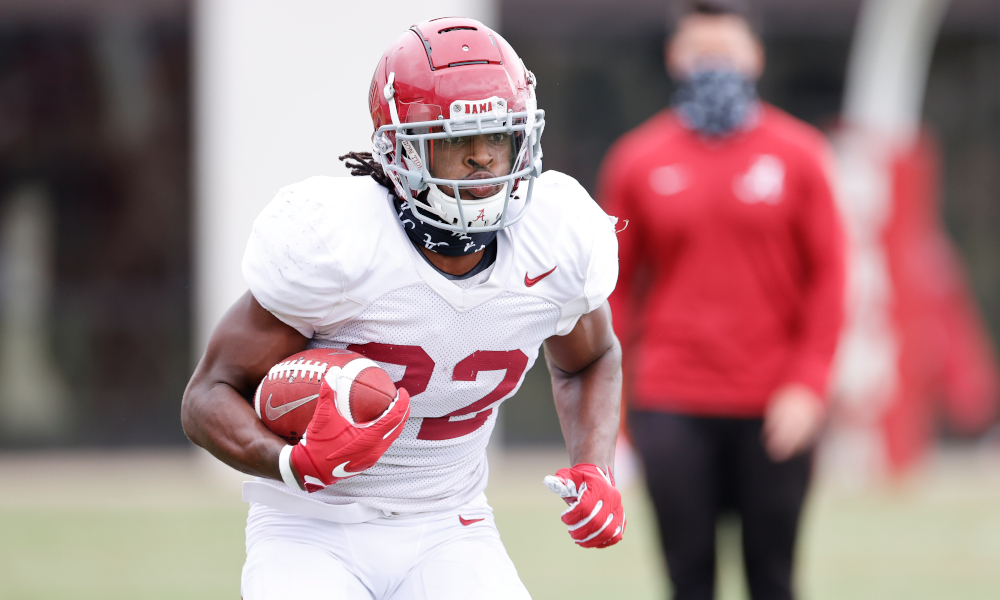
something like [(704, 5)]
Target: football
[(286, 397)]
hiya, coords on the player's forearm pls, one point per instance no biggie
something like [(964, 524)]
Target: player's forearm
[(588, 403), (215, 412), (221, 421)]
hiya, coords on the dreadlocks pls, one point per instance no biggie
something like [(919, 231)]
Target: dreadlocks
[(364, 165)]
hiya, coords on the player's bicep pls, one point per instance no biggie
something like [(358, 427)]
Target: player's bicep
[(247, 342), (588, 341)]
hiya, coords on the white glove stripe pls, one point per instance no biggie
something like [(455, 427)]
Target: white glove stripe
[(593, 514), (604, 475), (611, 517)]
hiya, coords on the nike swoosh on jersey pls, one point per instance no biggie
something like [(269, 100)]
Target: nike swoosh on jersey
[(340, 471), (274, 412), (468, 522), (530, 281)]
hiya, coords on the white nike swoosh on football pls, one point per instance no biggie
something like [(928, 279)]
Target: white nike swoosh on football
[(275, 412), (340, 471)]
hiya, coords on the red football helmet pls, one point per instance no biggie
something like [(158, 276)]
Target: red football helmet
[(443, 81)]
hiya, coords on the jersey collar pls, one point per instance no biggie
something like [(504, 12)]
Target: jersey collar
[(463, 300)]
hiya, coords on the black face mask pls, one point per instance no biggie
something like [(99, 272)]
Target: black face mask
[(442, 241), (716, 102)]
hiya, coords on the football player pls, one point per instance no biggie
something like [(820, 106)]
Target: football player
[(449, 261)]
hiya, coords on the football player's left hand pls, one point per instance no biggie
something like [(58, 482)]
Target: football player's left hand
[(595, 516), (335, 448)]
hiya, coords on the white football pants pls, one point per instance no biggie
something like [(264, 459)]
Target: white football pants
[(447, 555)]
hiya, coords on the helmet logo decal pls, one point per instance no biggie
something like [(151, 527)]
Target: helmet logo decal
[(495, 105)]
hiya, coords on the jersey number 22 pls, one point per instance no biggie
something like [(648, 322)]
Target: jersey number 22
[(420, 367)]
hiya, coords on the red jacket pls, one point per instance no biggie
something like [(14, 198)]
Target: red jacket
[(731, 267)]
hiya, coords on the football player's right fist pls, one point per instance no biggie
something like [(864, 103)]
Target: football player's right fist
[(334, 447)]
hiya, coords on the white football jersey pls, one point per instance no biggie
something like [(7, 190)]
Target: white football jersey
[(329, 257)]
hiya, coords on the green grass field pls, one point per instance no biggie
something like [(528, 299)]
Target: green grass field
[(137, 525)]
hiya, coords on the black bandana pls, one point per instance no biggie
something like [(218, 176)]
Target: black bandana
[(442, 241), (716, 102)]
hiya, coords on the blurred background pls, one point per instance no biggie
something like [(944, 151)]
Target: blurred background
[(139, 139)]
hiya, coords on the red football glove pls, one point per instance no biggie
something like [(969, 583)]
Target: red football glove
[(335, 448), (595, 515)]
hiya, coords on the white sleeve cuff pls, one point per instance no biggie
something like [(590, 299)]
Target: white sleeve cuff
[(285, 466)]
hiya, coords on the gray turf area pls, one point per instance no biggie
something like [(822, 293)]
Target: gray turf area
[(169, 524)]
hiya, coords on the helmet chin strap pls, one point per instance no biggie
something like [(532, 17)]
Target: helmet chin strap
[(437, 200)]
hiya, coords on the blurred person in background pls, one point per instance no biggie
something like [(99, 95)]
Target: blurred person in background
[(728, 305)]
